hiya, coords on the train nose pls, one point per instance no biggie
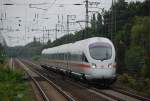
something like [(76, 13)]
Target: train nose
[(106, 65), (101, 73)]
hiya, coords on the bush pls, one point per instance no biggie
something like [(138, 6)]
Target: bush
[(145, 70), (36, 58), (139, 85), (131, 82), (134, 59), (13, 87), (127, 80), (123, 78), (1, 61)]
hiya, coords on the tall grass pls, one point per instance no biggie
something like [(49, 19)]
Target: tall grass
[(142, 85), (13, 87)]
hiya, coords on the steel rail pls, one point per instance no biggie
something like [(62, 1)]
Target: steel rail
[(67, 96), (131, 94), (45, 97)]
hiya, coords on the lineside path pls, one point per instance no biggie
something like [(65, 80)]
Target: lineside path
[(45, 87)]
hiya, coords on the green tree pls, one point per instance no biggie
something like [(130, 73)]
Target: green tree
[(120, 46), (135, 59), (2, 54), (93, 23), (34, 39), (116, 17), (99, 25), (140, 33)]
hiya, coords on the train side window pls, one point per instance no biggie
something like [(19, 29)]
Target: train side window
[(65, 56), (50, 56), (74, 57), (58, 56), (61, 56)]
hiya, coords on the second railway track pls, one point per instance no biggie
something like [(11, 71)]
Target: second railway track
[(48, 90)]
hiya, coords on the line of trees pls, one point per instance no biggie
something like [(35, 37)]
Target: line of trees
[(2, 54), (30, 50)]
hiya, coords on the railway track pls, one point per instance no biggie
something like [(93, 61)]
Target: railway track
[(131, 94), (109, 94), (44, 91), (80, 93)]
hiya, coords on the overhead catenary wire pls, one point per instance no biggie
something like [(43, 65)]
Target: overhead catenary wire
[(52, 4)]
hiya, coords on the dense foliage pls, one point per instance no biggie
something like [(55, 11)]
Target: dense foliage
[(2, 54), (32, 49), (13, 87), (142, 85)]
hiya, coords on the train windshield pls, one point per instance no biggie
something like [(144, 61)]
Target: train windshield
[(100, 51)]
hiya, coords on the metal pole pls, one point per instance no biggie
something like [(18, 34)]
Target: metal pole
[(43, 34), (112, 16), (62, 23), (87, 16), (115, 16), (67, 24), (56, 32)]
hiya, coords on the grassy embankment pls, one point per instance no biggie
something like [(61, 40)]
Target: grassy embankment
[(13, 87), (142, 85)]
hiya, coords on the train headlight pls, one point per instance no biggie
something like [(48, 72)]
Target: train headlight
[(112, 65), (93, 65)]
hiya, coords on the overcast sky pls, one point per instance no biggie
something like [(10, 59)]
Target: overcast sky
[(20, 19)]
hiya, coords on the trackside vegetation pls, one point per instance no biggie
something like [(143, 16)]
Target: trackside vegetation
[(13, 87), (2, 55), (140, 85)]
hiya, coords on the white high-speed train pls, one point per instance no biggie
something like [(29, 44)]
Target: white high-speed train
[(90, 59)]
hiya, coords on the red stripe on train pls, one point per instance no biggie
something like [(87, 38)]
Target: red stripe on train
[(80, 65), (84, 65)]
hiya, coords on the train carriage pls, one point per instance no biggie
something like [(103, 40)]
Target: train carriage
[(91, 59)]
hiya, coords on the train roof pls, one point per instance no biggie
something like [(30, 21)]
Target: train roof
[(78, 45)]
